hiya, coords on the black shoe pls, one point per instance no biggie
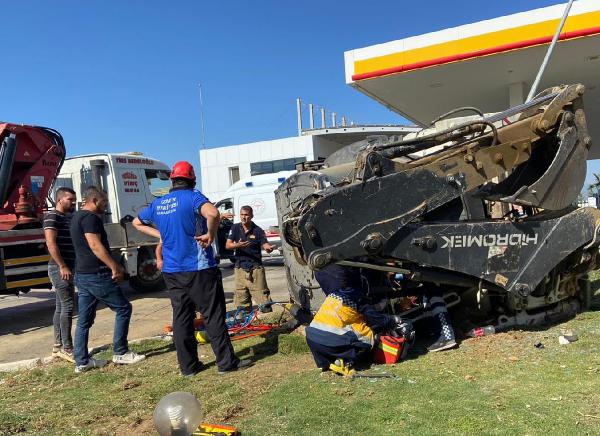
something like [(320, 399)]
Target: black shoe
[(243, 363), (441, 345), (196, 371), (266, 309)]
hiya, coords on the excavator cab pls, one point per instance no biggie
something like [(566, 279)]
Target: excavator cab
[(481, 207)]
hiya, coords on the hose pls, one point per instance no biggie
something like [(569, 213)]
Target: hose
[(438, 138), (454, 111), (491, 119)]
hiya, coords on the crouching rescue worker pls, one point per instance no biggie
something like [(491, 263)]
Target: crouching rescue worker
[(346, 326), (248, 239), (186, 223)]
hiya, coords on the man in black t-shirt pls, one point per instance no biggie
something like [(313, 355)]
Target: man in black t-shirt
[(96, 276), (60, 270), (247, 239)]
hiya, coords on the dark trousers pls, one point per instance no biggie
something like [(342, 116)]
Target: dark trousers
[(202, 291), (63, 312), (355, 354)]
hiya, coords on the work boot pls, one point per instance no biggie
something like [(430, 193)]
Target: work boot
[(445, 339), (266, 308), (199, 368), (342, 368), (243, 363), (441, 345), (66, 354), (127, 358)]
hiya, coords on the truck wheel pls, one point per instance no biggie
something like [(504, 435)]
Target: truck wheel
[(148, 278)]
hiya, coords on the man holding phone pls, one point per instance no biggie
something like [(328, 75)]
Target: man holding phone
[(248, 239), (96, 277)]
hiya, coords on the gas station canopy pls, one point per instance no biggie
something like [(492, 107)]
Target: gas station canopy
[(490, 65)]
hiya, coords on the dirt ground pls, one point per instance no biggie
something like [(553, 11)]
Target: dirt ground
[(26, 329)]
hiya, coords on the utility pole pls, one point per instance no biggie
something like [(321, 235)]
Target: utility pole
[(202, 115), (299, 115)]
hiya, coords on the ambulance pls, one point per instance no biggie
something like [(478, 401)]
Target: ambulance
[(259, 193)]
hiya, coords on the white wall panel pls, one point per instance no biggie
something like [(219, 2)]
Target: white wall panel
[(215, 163)]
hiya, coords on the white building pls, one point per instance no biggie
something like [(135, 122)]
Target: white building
[(221, 167)]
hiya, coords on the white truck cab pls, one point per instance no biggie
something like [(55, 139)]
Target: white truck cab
[(132, 181), (259, 193)]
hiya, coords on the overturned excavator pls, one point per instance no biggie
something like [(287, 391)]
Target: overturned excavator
[(481, 207)]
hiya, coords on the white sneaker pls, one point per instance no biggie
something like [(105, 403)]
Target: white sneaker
[(92, 363), (128, 358)]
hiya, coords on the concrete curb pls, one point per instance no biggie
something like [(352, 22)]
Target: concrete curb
[(41, 361), (25, 364)]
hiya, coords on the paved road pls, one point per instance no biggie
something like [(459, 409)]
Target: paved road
[(26, 329)]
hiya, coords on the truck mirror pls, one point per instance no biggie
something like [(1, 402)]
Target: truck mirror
[(126, 219)]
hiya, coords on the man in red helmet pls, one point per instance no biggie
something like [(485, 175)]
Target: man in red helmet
[(186, 222)]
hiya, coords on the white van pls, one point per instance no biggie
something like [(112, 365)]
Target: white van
[(257, 192)]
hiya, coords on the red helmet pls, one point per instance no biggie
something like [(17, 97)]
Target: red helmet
[(183, 170)]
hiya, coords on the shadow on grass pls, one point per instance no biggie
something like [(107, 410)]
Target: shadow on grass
[(157, 351), (277, 341), (150, 348)]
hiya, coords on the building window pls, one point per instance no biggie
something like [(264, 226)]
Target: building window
[(274, 166), (234, 175)]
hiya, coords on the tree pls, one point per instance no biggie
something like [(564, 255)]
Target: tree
[(594, 187)]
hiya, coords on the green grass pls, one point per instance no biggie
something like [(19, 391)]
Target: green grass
[(495, 385), (498, 384)]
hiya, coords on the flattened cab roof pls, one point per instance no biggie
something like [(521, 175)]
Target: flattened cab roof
[(490, 64)]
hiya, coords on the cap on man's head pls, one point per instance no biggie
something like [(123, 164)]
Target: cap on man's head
[(183, 170)]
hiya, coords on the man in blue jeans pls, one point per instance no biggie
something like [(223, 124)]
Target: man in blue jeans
[(96, 277)]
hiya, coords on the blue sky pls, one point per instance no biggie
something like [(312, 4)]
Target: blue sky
[(123, 75)]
